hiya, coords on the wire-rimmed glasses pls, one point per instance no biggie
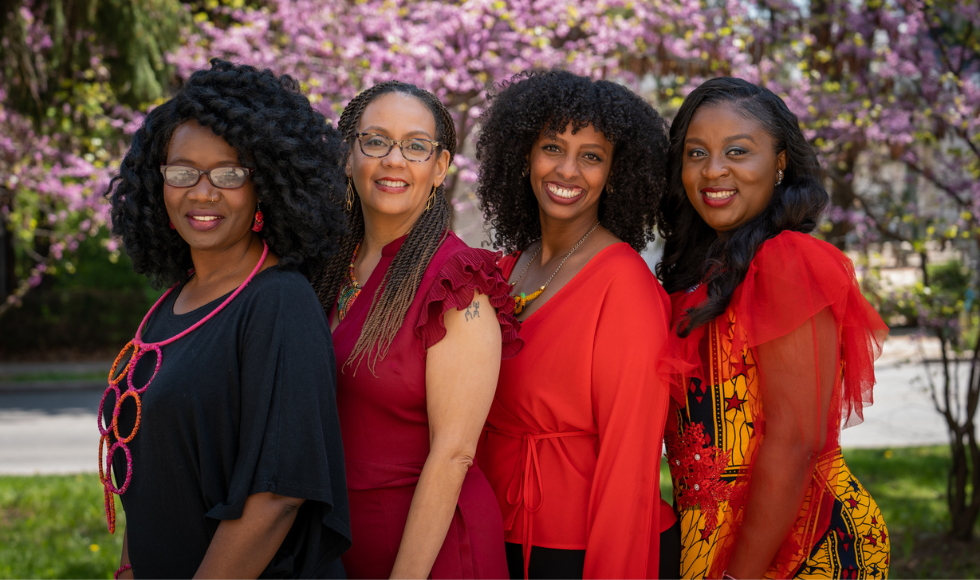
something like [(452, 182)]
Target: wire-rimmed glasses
[(225, 177)]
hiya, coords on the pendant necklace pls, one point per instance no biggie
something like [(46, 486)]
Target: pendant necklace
[(521, 300), (350, 289)]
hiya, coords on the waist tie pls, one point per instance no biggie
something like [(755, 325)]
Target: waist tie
[(527, 474)]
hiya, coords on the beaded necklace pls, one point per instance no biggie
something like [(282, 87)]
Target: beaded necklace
[(139, 348), (521, 300), (350, 290)]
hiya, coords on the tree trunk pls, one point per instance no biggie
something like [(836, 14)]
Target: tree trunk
[(7, 274)]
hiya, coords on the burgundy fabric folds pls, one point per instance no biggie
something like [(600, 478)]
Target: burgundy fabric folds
[(465, 273)]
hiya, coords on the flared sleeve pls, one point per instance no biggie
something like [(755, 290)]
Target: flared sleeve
[(289, 432), (794, 277), (465, 273), (800, 321), (629, 401)]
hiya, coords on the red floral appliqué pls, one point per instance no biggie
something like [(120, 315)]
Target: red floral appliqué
[(697, 467)]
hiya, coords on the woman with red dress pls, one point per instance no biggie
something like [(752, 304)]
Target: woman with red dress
[(420, 322), (775, 348), (571, 172)]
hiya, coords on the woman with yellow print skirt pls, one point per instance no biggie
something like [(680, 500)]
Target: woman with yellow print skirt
[(773, 345)]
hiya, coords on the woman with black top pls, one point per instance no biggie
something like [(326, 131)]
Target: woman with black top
[(220, 422)]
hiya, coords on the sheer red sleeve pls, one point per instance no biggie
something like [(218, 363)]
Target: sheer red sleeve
[(467, 272), (792, 278), (800, 319)]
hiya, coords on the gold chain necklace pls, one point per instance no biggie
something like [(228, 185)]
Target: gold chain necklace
[(521, 300)]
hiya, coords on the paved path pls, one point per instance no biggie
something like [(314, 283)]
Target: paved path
[(54, 431), (49, 431)]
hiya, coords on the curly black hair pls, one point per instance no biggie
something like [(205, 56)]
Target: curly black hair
[(693, 251), (535, 102), (293, 152)]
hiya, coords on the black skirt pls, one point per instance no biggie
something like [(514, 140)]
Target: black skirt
[(554, 563)]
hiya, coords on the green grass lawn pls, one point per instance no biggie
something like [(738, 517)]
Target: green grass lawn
[(909, 485), (54, 526)]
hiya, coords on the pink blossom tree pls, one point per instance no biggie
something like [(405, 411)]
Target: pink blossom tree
[(888, 91), (71, 74)]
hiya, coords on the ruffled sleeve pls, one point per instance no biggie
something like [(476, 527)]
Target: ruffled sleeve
[(795, 276), (800, 319), (792, 278), (466, 272)]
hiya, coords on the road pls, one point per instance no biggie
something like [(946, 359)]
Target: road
[(50, 431)]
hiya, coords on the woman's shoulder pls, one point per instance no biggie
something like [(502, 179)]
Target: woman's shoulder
[(624, 279), (453, 255), (806, 244), (288, 289), (453, 244), (791, 254), (622, 262), (455, 274)]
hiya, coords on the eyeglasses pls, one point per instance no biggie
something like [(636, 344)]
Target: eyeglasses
[(415, 150), (220, 177)]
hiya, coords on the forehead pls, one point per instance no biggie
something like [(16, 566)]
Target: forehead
[(191, 141), (587, 135), (398, 113), (721, 120)]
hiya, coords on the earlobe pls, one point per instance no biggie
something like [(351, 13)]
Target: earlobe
[(442, 168), (781, 161)]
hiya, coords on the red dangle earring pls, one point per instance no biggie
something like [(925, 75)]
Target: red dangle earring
[(172, 225), (257, 224)]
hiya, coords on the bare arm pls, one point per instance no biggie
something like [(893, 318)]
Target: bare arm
[(124, 557), (798, 375), (460, 379), (242, 548)]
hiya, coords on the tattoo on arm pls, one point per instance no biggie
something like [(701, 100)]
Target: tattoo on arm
[(473, 311)]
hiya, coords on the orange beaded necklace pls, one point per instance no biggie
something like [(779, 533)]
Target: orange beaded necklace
[(521, 300)]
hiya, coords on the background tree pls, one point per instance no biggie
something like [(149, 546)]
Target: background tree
[(888, 92), (73, 76)]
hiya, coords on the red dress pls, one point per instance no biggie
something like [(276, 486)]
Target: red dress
[(574, 437), (385, 426)]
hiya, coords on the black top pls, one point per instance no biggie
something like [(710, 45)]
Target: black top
[(244, 404)]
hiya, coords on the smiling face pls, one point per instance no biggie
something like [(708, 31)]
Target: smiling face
[(392, 187), (207, 217), (569, 171), (729, 166)]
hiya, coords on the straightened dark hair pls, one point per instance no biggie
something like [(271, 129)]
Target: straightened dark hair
[(693, 252)]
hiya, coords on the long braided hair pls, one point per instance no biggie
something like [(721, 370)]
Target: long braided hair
[(400, 283)]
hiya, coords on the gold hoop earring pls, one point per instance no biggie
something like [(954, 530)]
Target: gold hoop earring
[(432, 199), (350, 194)]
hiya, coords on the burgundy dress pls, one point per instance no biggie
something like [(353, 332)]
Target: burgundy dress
[(385, 426)]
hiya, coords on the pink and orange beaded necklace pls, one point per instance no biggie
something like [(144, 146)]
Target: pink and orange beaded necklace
[(139, 348)]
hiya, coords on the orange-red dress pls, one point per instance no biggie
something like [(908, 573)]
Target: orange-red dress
[(385, 426), (712, 446), (574, 437)]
